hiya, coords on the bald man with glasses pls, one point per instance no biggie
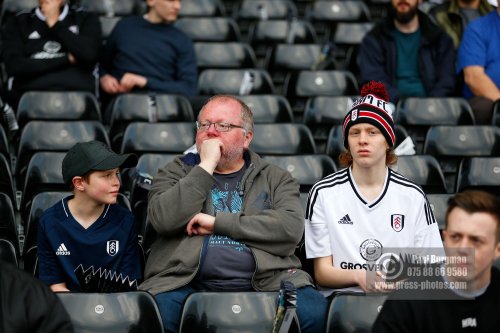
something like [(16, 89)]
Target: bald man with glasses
[(226, 221)]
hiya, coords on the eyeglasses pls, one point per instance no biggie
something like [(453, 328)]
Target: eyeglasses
[(219, 127)]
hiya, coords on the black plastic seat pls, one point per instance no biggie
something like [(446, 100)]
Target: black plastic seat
[(480, 173), (348, 37), (224, 55), (107, 25), (63, 135), (282, 139), (229, 312), (298, 87), (326, 14), (11, 7), (110, 7), (353, 312), (43, 174), (8, 252), (235, 82), (172, 137), (4, 144), (288, 58), (6, 179), (207, 8), (263, 35), (210, 29), (417, 114), (269, 108), (55, 105), (424, 170), (127, 108), (495, 120), (8, 228), (125, 312), (306, 169), (323, 112), (439, 205), (450, 144), (335, 143)]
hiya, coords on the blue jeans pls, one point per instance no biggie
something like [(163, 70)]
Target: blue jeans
[(312, 308)]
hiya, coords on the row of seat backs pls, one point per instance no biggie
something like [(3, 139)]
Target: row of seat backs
[(223, 312)]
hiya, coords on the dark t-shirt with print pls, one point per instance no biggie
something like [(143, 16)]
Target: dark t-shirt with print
[(226, 264)]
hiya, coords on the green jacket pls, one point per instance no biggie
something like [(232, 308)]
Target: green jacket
[(271, 224), (447, 15)]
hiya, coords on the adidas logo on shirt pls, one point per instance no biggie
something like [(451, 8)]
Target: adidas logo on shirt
[(34, 35), (62, 250), (346, 220)]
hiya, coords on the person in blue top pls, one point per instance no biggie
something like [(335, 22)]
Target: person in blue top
[(148, 53), (479, 61), (88, 228)]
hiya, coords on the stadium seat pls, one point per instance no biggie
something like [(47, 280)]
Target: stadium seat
[(298, 87), (147, 166), (439, 205), (306, 169), (172, 137), (124, 312), (326, 14), (60, 105), (353, 312), (8, 227), (6, 180), (417, 114), (269, 108), (4, 144), (107, 25), (424, 170), (449, 144), (288, 58), (39, 135), (247, 12), (282, 139), (11, 7), (127, 108), (224, 55), (111, 7), (496, 114), (235, 82), (479, 173), (263, 35), (348, 37), (42, 174), (335, 143), (8, 252), (207, 8), (210, 29), (323, 112), (229, 312)]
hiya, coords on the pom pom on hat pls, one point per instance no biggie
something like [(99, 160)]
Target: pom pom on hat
[(372, 108)]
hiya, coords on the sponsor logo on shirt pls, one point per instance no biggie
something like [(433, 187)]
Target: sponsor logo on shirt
[(370, 249), (51, 50), (345, 220), (62, 250), (112, 247), (397, 222), (469, 322)]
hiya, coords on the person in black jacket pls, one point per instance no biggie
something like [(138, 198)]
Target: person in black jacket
[(465, 297), (409, 54), (52, 47), (29, 306)]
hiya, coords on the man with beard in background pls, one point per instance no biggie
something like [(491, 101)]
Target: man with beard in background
[(409, 54)]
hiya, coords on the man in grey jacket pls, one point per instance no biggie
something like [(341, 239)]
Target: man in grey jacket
[(226, 221)]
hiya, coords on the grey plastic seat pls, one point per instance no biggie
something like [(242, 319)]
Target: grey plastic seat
[(424, 170), (269, 108), (235, 82), (210, 29), (224, 55), (282, 139), (480, 173)]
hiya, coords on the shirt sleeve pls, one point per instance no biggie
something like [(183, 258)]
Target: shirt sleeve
[(317, 236), (131, 264), (472, 50), (49, 270), (427, 232)]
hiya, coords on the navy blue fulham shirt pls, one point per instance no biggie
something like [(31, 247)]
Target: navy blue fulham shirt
[(64, 244)]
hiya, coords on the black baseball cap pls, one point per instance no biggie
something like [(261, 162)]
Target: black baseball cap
[(93, 155)]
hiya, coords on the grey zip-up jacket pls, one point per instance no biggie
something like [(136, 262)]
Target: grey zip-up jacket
[(271, 224)]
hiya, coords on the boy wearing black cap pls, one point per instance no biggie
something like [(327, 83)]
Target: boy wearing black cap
[(353, 214), (88, 228)]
